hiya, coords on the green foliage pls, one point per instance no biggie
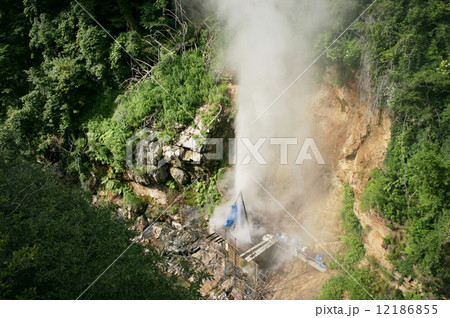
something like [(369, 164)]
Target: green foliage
[(133, 201), (14, 56), (217, 99), (373, 193), (184, 77), (342, 286), (20, 260), (350, 222), (71, 66), (70, 73), (54, 243), (63, 101), (344, 54), (413, 192), (352, 228), (107, 141), (406, 44), (206, 194), (187, 86)]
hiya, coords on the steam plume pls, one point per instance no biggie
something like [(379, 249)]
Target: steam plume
[(267, 45)]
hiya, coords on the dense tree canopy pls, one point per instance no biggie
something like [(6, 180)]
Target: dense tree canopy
[(70, 96), (54, 243)]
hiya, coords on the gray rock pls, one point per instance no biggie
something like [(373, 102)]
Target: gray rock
[(227, 285), (156, 231), (147, 151), (149, 211), (187, 139), (192, 216), (160, 174), (157, 192), (181, 242), (132, 211), (120, 213), (143, 179), (179, 175), (172, 153), (177, 225), (191, 156), (141, 223)]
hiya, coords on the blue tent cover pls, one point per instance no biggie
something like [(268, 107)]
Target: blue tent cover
[(232, 217)]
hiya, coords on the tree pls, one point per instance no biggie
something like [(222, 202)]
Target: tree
[(54, 243)]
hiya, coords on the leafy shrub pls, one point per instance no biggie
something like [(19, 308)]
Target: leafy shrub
[(133, 201), (352, 228), (207, 195), (184, 77), (54, 243)]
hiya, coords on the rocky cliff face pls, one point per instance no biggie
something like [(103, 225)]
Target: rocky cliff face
[(186, 247), (352, 139), (182, 160), (355, 139)]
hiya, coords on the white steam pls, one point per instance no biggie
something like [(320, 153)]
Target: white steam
[(267, 45)]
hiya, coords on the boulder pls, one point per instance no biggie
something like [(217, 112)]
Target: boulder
[(149, 211), (132, 211), (147, 151), (154, 192), (227, 285), (177, 225), (172, 153), (187, 139), (209, 257), (112, 197), (159, 174), (141, 223), (179, 175), (156, 231), (191, 156), (181, 242), (120, 213), (143, 178), (151, 174), (192, 216), (198, 255)]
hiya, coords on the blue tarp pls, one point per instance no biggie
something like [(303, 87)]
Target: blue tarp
[(319, 259), (232, 217)]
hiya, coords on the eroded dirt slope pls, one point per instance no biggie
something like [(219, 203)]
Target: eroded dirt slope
[(353, 140)]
